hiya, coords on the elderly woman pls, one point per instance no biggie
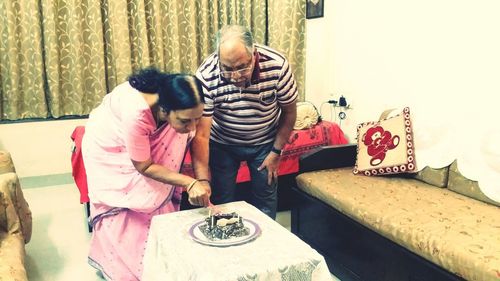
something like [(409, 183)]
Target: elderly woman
[(133, 148)]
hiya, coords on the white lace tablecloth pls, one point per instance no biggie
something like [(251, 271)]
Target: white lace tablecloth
[(276, 254)]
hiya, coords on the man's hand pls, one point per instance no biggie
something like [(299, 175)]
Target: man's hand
[(271, 163), (199, 194)]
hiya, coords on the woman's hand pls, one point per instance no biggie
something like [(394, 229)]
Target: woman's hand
[(199, 193)]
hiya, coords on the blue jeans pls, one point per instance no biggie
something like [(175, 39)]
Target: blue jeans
[(224, 164)]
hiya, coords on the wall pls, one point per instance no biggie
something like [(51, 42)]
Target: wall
[(441, 58), (39, 148)]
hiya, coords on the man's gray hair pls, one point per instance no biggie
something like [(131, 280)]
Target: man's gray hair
[(229, 32)]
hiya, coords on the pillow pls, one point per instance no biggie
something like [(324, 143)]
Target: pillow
[(3, 214), (307, 116), (460, 184), (432, 176), (6, 164), (386, 146)]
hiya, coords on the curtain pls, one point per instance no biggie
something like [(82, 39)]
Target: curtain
[(287, 33), (22, 88), (74, 61), (59, 58)]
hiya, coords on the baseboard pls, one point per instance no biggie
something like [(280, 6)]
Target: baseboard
[(46, 180)]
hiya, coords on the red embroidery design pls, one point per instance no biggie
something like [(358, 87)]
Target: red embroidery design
[(378, 142)]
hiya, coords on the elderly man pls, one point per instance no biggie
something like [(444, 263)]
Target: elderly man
[(250, 109)]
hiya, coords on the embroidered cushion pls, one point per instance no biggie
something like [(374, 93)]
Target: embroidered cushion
[(386, 146)]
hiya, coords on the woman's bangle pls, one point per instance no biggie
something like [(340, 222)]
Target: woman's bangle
[(188, 188), (191, 185)]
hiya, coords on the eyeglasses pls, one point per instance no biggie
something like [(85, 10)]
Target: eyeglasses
[(240, 72)]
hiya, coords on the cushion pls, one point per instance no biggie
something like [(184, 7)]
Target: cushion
[(12, 255), (6, 164), (18, 214), (464, 186), (3, 214), (435, 177), (386, 146), (307, 116)]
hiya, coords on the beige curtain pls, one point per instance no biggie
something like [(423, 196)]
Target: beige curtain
[(287, 33), (59, 58), (187, 28), (74, 61), (22, 91)]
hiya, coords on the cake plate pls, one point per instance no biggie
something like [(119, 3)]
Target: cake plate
[(198, 236)]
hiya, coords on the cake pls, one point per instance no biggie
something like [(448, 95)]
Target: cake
[(224, 226)]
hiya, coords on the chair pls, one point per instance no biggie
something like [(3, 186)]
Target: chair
[(78, 169)]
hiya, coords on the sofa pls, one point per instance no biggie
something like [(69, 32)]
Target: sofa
[(15, 222), (398, 227)]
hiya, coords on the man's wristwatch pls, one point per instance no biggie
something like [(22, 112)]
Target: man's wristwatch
[(275, 150)]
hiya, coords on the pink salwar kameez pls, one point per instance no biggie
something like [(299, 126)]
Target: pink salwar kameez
[(123, 201)]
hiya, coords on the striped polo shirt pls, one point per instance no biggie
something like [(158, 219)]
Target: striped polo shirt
[(247, 116)]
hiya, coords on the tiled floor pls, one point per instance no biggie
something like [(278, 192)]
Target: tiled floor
[(59, 244)]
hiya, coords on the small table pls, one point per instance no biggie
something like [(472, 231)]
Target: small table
[(276, 254)]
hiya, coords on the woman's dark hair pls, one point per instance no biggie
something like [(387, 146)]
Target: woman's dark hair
[(146, 80), (176, 91)]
